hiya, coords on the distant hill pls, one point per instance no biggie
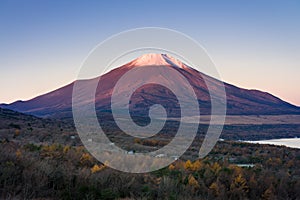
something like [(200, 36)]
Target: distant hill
[(26, 128)]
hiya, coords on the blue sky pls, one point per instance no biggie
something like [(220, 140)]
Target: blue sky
[(255, 44)]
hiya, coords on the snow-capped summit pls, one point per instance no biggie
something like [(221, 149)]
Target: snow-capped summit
[(157, 59)]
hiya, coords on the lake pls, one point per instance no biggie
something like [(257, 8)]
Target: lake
[(289, 142)]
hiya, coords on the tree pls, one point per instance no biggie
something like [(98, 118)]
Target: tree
[(18, 153), (171, 167), (239, 187), (17, 133), (269, 193), (66, 149), (216, 167), (86, 159), (97, 168), (192, 181), (197, 165), (253, 188), (214, 187), (188, 165)]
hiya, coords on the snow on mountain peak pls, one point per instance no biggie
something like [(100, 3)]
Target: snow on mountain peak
[(157, 59)]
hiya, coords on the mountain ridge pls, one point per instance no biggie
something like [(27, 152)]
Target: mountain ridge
[(58, 103)]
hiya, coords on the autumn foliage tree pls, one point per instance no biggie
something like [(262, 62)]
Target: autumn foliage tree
[(239, 187)]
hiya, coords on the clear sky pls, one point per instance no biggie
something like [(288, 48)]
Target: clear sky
[(255, 44)]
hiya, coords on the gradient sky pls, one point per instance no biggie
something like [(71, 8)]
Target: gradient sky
[(254, 44)]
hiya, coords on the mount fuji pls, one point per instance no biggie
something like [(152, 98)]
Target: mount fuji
[(58, 103)]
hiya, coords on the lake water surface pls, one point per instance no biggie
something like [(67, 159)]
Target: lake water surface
[(289, 142)]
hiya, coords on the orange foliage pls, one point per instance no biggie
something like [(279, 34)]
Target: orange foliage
[(97, 168), (215, 188), (17, 132), (188, 165), (171, 167), (18, 153), (193, 182), (216, 167), (240, 183), (197, 165), (85, 158)]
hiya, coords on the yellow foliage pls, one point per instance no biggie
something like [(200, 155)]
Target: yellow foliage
[(171, 167), (85, 157), (17, 132), (197, 165), (215, 188), (66, 149), (216, 167), (193, 182), (239, 182), (53, 147), (97, 168), (53, 150), (18, 153), (188, 165)]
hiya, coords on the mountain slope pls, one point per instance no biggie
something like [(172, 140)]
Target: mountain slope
[(239, 101)]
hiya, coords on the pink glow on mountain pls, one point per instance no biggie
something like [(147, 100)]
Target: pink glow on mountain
[(157, 59)]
